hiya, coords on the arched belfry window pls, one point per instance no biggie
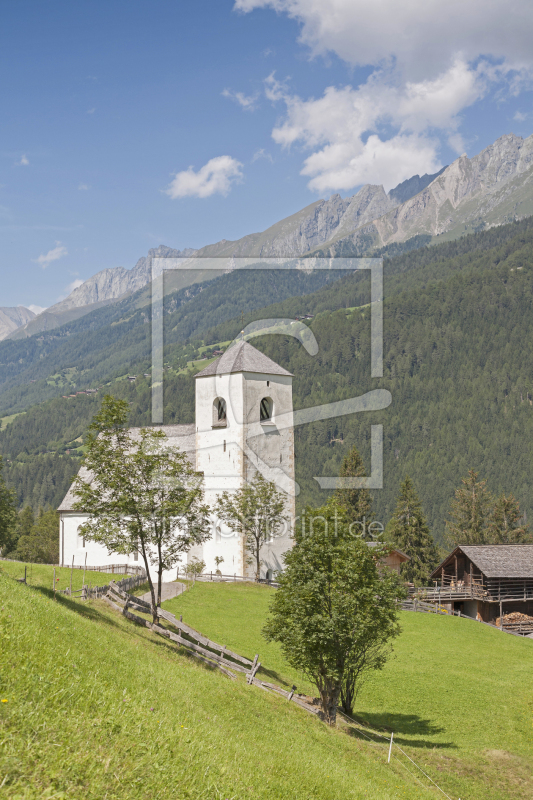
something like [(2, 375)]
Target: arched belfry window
[(266, 409), (219, 413)]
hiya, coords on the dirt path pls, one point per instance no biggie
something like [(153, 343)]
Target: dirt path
[(168, 591)]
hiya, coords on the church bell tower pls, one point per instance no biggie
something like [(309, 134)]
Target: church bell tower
[(244, 425)]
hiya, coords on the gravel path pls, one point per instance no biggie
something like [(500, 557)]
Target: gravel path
[(168, 591)]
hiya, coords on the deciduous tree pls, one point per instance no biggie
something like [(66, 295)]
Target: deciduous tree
[(256, 511), (335, 611), (40, 544), (140, 494)]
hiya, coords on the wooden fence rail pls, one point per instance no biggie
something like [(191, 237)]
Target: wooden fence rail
[(218, 576), (200, 646), (97, 592), (514, 628)]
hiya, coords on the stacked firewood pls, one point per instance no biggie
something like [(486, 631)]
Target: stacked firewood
[(514, 618)]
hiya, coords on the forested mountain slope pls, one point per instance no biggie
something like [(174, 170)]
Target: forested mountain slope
[(106, 343), (458, 362)]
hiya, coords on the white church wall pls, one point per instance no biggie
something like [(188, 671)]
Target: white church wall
[(71, 544), (228, 455)]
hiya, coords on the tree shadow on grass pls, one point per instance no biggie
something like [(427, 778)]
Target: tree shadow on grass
[(133, 629), (273, 676), (403, 726)]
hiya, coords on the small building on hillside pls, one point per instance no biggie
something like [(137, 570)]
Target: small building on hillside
[(485, 581), (394, 559)]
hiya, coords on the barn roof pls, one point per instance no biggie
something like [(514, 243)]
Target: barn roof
[(182, 437), (391, 549), (497, 560), (242, 357)]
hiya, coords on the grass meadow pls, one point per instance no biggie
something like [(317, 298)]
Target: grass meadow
[(98, 708), (41, 576), (457, 694)]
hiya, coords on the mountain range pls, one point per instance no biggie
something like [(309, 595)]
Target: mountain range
[(492, 188), (13, 318)]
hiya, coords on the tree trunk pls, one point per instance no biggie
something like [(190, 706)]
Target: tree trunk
[(329, 700), (150, 583), (159, 577)]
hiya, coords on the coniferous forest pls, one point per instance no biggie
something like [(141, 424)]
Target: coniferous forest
[(458, 361)]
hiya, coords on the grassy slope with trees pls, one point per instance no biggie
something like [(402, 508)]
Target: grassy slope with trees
[(97, 706)]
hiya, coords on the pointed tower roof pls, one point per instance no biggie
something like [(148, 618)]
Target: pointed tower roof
[(242, 357)]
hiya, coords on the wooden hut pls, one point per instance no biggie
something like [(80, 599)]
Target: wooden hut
[(486, 582), (394, 558)]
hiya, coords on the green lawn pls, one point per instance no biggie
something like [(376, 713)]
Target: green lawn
[(96, 707), (42, 575), (100, 708), (457, 694)]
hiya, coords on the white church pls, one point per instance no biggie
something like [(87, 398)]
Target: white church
[(243, 425)]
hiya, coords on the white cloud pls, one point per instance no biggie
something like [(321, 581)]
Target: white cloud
[(215, 177), (57, 252), (36, 309), (345, 127), (24, 161), (73, 285), (420, 36), (91, 110), (69, 289), (83, 187), (431, 60), (262, 153), (520, 117), (247, 102)]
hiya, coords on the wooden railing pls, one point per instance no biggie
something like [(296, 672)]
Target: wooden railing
[(491, 590), (201, 647), (218, 576)]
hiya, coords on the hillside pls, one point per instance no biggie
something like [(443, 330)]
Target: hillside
[(106, 343), (458, 362), (98, 707)]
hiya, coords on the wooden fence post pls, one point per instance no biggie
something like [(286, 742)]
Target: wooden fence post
[(83, 579), (54, 583), (71, 571)]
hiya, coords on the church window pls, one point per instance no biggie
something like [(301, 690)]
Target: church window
[(268, 384), (224, 445), (219, 413), (266, 407)]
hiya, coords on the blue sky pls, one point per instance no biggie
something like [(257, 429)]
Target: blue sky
[(131, 124)]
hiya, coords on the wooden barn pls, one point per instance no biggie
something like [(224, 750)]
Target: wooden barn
[(394, 559), (486, 582)]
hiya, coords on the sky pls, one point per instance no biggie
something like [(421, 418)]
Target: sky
[(125, 125)]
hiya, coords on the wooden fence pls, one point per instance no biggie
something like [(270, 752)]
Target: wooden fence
[(517, 629), (218, 576), (97, 592), (200, 646), (114, 569)]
